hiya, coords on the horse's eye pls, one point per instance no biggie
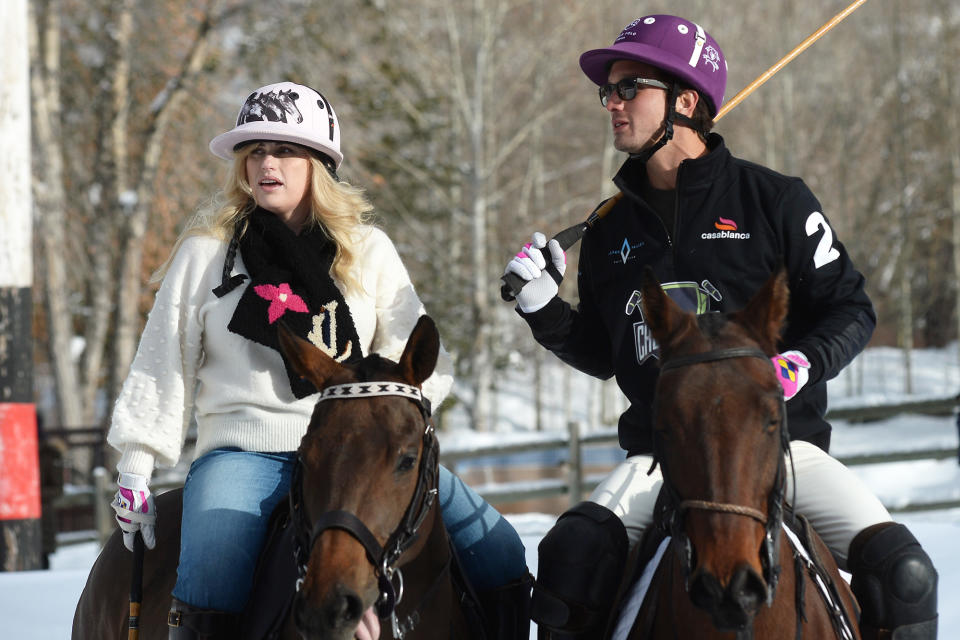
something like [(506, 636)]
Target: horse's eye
[(406, 461), (773, 424)]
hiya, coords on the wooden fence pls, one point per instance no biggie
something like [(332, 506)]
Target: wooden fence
[(574, 483)]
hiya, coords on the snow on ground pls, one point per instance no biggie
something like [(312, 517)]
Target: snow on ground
[(39, 604)]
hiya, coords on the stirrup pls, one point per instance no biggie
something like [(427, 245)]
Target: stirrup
[(185, 622)]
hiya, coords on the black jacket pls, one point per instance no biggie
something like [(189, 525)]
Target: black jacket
[(736, 222)]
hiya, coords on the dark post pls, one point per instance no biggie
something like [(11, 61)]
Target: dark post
[(20, 532), (958, 437), (575, 464)]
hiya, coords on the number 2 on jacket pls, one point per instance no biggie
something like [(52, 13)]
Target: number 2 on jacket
[(825, 253)]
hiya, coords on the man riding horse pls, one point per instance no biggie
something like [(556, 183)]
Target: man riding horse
[(706, 222)]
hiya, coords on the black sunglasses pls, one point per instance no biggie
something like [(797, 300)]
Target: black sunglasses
[(627, 88)]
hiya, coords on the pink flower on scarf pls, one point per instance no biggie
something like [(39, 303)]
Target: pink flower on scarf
[(281, 299)]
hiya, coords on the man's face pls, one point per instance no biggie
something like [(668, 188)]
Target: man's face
[(636, 122)]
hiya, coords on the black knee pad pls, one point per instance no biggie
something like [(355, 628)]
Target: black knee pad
[(581, 562), (894, 580)]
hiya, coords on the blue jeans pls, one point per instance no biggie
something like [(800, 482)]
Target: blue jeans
[(229, 495)]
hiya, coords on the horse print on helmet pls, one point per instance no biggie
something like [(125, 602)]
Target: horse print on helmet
[(284, 111), (273, 106)]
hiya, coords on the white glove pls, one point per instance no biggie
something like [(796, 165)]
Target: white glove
[(135, 510), (530, 265), (791, 368)]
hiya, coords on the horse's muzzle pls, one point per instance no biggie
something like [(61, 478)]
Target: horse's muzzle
[(336, 619), (731, 607)]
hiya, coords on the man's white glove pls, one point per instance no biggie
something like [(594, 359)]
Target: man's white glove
[(530, 265), (135, 510)]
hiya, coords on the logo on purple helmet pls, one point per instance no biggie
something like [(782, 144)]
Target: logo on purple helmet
[(712, 57), (629, 31)]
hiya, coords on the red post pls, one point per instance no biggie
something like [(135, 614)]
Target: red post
[(19, 462), (20, 531)]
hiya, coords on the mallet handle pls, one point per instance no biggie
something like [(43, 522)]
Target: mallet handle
[(512, 283), (136, 588), (785, 60)]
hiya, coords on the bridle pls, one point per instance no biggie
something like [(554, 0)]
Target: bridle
[(383, 559), (772, 521)]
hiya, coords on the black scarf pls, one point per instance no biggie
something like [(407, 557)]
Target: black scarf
[(290, 279)]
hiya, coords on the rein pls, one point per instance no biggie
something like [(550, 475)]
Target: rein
[(771, 521), (382, 558)]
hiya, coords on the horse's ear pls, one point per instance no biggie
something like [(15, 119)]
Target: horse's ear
[(420, 355), (305, 358), (764, 314), (664, 317)]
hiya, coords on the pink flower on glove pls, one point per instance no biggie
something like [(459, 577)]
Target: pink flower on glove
[(281, 299)]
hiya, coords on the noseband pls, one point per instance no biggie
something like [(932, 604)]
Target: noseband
[(382, 558), (772, 521)]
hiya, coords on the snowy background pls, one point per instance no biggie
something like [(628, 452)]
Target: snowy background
[(40, 604)]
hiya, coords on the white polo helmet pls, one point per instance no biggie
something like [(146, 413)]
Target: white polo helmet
[(287, 112)]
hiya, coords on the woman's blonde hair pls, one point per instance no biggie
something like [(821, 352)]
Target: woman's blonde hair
[(339, 209)]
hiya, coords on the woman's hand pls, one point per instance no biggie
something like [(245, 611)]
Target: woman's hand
[(135, 510), (369, 627)]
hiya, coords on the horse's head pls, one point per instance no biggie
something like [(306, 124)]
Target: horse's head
[(720, 436), (365, 482)]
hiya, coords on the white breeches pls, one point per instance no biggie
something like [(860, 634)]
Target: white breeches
[(835, 501)]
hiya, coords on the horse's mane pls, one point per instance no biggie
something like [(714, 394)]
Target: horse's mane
[(711, 324), (373, 367)]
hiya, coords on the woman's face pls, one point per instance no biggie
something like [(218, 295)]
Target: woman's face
[(279, 175)]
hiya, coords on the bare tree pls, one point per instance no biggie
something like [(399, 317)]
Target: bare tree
[(455, 128), (950, 92), (97, 185), (472, 126), (50, 202), (900, 150), (138, 186)]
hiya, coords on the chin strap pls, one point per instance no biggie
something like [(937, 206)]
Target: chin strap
[(229, 283), (671, 118)]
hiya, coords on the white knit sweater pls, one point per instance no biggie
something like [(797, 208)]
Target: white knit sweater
[(188, 361)]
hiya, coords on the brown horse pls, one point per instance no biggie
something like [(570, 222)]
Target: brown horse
[(721, 442), (363, 509)]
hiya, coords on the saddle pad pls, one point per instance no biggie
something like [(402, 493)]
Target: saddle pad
[(631, 607)]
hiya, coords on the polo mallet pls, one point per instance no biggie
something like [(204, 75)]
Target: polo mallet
[(136, 588), (512, 283)]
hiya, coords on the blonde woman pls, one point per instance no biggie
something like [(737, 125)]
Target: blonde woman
[(290, 241)]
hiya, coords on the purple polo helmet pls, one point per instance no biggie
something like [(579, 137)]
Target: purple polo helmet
[(677, 46)]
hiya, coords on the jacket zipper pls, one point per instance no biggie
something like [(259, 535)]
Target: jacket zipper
[(676, 217)]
